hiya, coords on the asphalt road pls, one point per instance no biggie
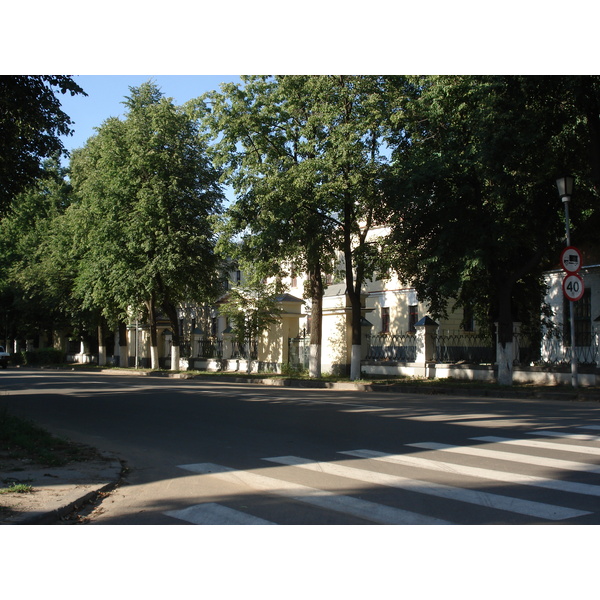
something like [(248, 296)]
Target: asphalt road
[(223, 453)]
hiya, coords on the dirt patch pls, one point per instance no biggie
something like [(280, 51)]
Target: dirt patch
[(52, 487)]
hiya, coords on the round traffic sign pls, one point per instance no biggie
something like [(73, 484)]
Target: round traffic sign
[(573, 287), (570, 259)]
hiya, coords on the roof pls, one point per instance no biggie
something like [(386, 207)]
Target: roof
[(336, 289), (425, 321), (288, 298)]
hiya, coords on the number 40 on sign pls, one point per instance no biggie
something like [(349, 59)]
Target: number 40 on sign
[(573, 287)]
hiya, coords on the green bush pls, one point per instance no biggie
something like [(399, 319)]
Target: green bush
[(289, 371), (17, 358), (43, 356)]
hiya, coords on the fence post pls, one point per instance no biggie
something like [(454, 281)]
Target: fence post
[(516, 342), (196, 338), (506, 354), (596, 342), (227, 345), (365, 330), (425, 341)]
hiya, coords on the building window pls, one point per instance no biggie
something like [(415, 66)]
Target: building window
[(583, 320), (413, 317), (385, 320), (468, 322)]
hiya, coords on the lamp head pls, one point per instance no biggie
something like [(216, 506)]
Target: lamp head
[(565, 186)]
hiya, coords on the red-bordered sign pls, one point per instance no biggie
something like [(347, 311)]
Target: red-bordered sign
[(570, 259), (573, 287)]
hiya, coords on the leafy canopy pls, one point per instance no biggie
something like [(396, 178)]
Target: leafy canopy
[(31, 123)]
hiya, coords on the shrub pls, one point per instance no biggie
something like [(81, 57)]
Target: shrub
[(43, 356)]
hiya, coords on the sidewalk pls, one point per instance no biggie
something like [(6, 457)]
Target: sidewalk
[(56, 492), (454, 388)]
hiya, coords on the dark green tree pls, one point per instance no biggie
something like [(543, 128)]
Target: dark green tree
[(475, 213), (305, 157), (31, 123), (35, 272), (147, 196)]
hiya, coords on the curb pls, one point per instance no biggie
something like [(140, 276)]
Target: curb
[(552, 393), (50, 513), (51, 517)]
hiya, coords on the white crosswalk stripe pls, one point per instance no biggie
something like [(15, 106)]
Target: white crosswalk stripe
[(527, 459), (515, 505), (376, 513), (491, 474), (211, 513), (463, 475), (586, 437), (539, 444)]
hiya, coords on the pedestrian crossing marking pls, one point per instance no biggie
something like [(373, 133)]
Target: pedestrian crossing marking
[(528, 459), (490, 474), (486, 499), (586, 437), (539, 444), (211, 513), (371, 511), (451, 417)]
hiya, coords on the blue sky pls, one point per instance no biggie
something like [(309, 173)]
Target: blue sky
[(107, 92)]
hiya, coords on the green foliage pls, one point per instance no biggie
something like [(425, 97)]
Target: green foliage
[(43, 356), (147, 199), (36, 269), (31, 123), (474, 208), (296, 372), (305, 156), (259, 141), (16, 488), (251, 308), (23, 439)]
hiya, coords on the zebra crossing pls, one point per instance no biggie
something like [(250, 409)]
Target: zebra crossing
[(488, 479)]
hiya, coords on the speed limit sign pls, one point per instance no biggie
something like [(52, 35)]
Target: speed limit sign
[(573, 287)]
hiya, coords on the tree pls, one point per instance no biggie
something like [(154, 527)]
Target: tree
[(36, 273), (147, 195), (474, 209), (260, 141), (251, 308), (31, 122), (304, 155)]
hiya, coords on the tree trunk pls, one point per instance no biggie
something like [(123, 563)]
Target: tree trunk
[(101, 344), (316, 330), (153, 334), (356, 335), (171, 311), (504, 354), (123, 358), (353, 285)]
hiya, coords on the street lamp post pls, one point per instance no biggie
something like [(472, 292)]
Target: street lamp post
[(565, 189)]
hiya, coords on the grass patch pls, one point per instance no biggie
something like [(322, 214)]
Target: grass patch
[(17, 488), (23, 440)]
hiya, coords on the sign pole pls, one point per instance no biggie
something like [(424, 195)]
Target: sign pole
[(574, 374)]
